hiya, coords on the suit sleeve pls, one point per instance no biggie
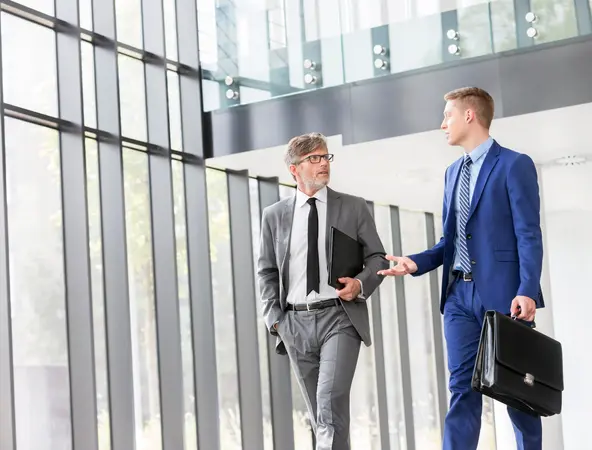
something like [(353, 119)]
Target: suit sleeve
[(268, 276), (523, 191), (373, 252), (434, 257)]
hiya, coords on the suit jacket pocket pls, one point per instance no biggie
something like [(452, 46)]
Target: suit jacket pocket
[(506, 255)]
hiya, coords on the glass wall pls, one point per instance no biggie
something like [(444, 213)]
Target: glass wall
[(256, 49)]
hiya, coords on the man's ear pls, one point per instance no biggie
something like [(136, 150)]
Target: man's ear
[(469, 116), (293, 170)]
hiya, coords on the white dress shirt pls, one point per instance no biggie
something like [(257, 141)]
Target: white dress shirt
[(299, 251)]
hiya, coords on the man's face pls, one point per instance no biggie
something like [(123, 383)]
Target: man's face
[(455, 122), (313, 170)]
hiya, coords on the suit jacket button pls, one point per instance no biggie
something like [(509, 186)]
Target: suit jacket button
[(469, 236), (473, 262)]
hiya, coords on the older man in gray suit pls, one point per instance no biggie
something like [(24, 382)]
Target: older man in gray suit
[(319, 327)]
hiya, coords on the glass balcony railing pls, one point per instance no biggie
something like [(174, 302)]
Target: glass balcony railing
[(253, 50)]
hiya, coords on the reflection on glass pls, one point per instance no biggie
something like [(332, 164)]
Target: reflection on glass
[(129, 22), (88, 84), (208, 34), (390, 337), (40, 347), (142, 308), (503, 24), (29, 65), (133, 100), (226, 356), (45, 6), (184, 305), (174, 110), (96, 274), (556, 20), (474, 25), (170, 29), (421, 342), (262, 333)]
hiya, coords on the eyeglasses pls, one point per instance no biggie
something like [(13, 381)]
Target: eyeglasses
[(315, 159)]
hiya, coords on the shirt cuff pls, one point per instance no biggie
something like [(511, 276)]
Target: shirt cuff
[(361, 294)]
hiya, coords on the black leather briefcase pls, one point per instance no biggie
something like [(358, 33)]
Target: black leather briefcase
[(519, 366)]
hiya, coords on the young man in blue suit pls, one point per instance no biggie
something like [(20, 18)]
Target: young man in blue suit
[(492, 253)]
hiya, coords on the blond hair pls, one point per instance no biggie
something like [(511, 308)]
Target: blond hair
[(478, 100)]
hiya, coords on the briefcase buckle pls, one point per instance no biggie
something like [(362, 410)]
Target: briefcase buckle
[(529, 379)]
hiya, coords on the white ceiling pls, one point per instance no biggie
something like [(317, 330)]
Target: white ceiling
[(408, 171)]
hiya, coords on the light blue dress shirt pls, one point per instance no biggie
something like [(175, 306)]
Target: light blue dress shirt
[(478, 157)]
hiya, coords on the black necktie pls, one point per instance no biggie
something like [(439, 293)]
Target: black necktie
[(312, 261)]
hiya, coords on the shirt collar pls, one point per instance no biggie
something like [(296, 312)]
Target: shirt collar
[(481, 150), (302, 198)]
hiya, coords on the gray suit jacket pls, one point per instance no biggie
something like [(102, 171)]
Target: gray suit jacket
[(347, 213)]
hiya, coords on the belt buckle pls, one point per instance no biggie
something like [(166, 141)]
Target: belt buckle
[(467, 277), (308, 307)]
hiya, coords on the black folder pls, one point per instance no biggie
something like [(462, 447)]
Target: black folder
[(346, 257)]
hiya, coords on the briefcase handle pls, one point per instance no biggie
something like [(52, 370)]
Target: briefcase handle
[(523, 322)]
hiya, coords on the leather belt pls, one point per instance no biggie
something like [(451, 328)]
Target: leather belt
[(463, 276), (313, 306)]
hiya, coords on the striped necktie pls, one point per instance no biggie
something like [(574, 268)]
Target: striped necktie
[(464, 208)]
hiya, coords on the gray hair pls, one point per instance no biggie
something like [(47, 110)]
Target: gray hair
[(300, 146)]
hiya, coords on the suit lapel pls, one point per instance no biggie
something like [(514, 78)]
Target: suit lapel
[(285, 234), (490, 161), (333, 210)]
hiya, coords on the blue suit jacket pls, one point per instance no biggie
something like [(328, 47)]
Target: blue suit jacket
[(503, 231)]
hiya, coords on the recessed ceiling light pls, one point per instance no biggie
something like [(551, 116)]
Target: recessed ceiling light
[(571, 160)]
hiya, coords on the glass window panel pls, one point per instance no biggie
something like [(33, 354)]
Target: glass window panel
[(129, 22), (310, 18), (421, 342), (184, 304), (556, 20), (208, 38), (141, 294), (40, 347), (474, 26), (503, 23), (211, 95), (170, 29), (132, 92), (174, 110), (390, 337), (263, 334), (357, 56), (226, 356), (332, 61), (88, 84), (418, 43), (251, 27), (96, 273), (85, 14), (276, 23), (27, 48), (364, 431), (45, 6)]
